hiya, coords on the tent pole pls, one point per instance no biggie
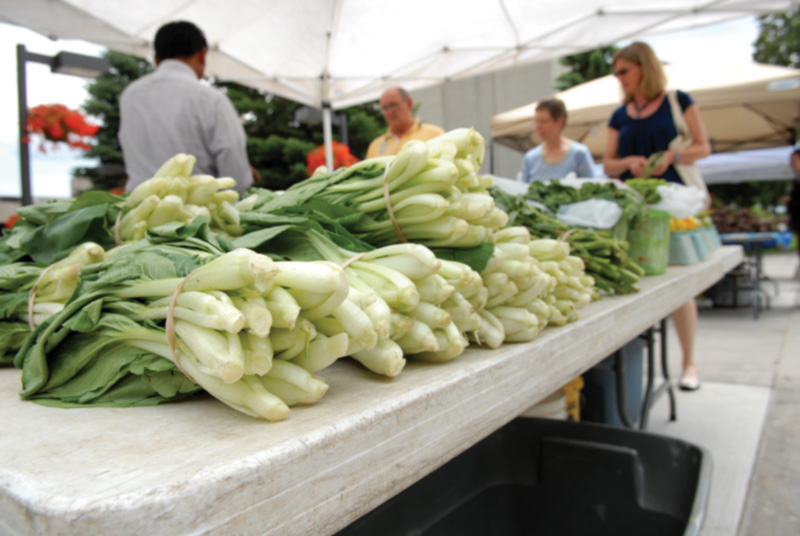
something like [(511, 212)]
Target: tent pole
[(491, 156), (22, 105), (327, 133)]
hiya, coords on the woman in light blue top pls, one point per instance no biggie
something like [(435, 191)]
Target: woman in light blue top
[(557, 156)]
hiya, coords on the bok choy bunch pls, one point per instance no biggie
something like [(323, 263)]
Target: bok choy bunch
[(398, 304), (429, 193), (156, 322), (31, 294), (174, 194), (47, 232), (530, 284)]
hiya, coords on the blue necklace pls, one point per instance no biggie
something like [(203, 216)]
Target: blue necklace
[(639, 109)]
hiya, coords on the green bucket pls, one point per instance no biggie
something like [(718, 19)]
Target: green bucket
[(649, 242), (621, 228)]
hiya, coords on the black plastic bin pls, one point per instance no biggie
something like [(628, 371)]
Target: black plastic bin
[(543, 477)]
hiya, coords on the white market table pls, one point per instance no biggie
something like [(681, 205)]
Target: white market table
[(198, 467)]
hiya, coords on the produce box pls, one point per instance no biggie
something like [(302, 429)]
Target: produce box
[(649, 242), (700, 245), (711, 237), (688, 247), (682, 249)]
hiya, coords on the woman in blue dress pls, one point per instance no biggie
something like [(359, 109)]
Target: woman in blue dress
[(642, 126), (557, 156)]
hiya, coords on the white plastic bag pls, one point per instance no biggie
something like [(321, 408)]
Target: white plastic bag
[(597, 213), (538, 206), (680, 201)]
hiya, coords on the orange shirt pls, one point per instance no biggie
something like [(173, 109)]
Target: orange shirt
[(388, 144)]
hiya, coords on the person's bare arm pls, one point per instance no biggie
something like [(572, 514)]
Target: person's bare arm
[(700, 147), (613, 165)]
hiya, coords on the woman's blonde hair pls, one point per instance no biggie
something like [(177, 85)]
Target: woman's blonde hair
[(654, 80)]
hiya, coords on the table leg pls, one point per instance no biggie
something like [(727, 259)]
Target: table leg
[(622, 399), (673, 416), (648, 390), (757, 282)]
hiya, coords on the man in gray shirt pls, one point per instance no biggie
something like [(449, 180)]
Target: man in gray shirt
[(170, 111)]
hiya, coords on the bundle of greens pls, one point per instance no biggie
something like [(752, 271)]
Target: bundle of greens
[(605, 257), (531, 284), (402, 304), (553, 194), (47, 232), (429, 193), (163, 318), (174, 194), (647, 188), (31, 294)]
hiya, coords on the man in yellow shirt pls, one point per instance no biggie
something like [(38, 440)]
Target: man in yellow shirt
[(396, 106)]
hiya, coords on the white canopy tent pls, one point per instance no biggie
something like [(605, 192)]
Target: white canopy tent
[(742, 166), (744, 106), (331, 54)]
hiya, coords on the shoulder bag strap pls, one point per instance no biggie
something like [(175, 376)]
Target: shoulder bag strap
[(677, 114)]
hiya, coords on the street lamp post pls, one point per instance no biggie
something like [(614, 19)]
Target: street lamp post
[(63, 63)]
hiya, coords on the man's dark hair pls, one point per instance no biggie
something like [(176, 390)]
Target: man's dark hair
[(179, 39)]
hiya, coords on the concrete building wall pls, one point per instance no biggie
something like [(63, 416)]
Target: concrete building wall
[(472, 102)]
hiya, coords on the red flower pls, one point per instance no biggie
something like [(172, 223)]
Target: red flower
[(341, 157), (57, 123), (12, 220)]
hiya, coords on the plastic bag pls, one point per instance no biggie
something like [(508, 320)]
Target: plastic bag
[(597, 213), (538, 206), (680, 201)]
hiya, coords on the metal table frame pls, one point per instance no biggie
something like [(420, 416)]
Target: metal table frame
[(651, 393), (754, 242)]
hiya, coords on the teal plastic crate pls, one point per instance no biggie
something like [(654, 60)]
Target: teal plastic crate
[(682, 249), (712, 242), (715, 237), (699, 243)]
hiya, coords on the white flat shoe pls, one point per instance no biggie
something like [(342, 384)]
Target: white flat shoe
[(689, 382)]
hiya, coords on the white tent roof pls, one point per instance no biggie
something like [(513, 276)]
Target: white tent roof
[(742, 166), (345, 52), (744, 106)]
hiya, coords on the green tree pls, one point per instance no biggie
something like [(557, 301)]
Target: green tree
[(277, 145), (767, 194), (103, 103), (364, 124), (778, 41), (585, 66)]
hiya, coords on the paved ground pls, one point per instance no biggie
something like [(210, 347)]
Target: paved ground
[(747, 412)]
